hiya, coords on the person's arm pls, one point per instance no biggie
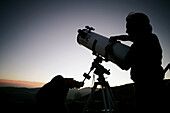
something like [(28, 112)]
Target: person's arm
[(121, 37)]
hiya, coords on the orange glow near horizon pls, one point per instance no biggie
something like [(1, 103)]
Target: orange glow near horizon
[(17, 83)]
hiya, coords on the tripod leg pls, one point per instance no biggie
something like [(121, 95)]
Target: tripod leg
[(113, 101), (90, 97), (109, 99), (104, 99)]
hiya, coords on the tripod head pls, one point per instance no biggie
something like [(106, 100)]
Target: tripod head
[(99, 69)]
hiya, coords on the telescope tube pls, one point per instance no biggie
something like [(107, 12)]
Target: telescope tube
[(97, 43)]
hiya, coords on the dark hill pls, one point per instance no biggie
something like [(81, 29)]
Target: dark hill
[(15, 95), (24, 97)]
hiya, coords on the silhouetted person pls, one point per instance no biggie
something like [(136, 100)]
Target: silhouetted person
[(52, 95), (144, 59)]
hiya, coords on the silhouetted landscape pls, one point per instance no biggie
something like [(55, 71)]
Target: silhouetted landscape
[(76, 99)]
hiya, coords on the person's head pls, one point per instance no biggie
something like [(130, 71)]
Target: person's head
[(65, 82), (138, 24), (57, 80)]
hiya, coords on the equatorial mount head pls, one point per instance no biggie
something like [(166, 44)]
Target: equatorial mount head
[(98, 68)]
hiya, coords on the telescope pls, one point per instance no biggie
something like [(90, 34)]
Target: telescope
[(98, 43)]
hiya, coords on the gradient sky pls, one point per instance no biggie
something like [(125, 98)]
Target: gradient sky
[(38, 37)]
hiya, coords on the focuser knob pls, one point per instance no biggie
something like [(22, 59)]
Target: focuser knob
[(89, 28)]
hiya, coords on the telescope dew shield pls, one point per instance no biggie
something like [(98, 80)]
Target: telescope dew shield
[(97, 43)]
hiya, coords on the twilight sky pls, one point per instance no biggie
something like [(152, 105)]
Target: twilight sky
[(38, 37)]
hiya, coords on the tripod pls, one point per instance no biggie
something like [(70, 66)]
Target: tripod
[(108, 98)]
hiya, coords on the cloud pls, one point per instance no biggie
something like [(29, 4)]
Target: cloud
[(14, 83)]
